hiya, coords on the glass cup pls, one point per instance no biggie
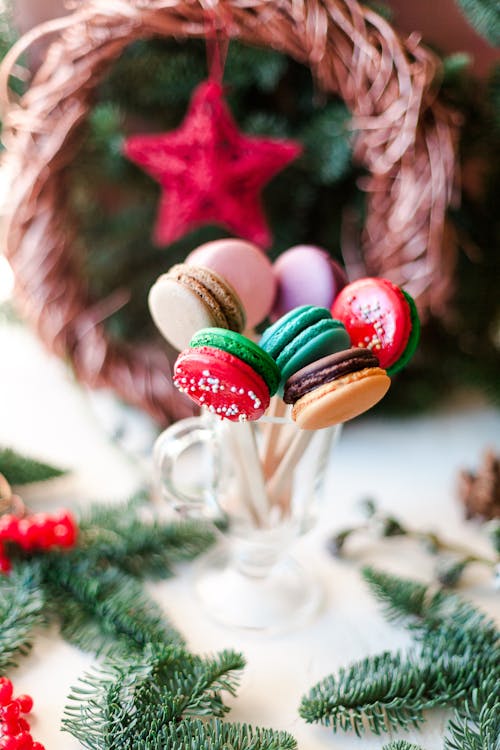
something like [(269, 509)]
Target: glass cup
[(261, 483)]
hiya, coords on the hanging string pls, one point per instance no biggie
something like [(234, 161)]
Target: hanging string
[(217, 45)]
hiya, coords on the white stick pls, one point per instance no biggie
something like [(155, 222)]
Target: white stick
[(280, 484), (240, 496), (271, 432), (251, 469)]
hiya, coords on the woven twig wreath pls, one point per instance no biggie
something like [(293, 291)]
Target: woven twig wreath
[(405, 139)]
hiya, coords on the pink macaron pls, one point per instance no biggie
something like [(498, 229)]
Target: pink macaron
[(246, 268), (306, 275)]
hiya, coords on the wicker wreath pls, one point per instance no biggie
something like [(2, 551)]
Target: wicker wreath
[(405, 138)]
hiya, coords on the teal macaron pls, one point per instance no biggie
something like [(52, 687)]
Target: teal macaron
[(302, 336), (242, 347)]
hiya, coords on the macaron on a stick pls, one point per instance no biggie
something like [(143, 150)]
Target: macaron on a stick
[(336, 388), (227, 373), (306, 275), (188, 298), (380, 316), (302, 336), (246, 268)]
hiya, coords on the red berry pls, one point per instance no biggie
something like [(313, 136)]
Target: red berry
[(37, 746), (65, 530), (24, 741), (9, 527), (11, 712), (25, 534), (6, 689), (25, 703), (9, 743), (41, 531), (11, 727), (22, 726)]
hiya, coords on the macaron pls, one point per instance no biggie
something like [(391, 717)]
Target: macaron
[(302, 336), (336, 388), (380, 316), (188, 298), (246, 268), (306, 275), (244, 349), (221, 382)]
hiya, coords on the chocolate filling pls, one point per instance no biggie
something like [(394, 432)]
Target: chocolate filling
[(327, 369)]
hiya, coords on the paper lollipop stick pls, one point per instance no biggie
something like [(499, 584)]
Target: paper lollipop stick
[(255, 495), (279, 486), (271, 433)]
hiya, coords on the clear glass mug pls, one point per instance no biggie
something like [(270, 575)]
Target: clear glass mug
[(262, 481)]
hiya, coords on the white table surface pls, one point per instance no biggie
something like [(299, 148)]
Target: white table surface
[(409, 465)]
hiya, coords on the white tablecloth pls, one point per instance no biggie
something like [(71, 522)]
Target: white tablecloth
[(409, 465)]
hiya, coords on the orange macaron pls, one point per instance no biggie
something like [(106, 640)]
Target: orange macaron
[(336, 388)]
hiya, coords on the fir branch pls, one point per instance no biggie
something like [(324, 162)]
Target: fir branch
[(19, 469), (423, 608), (457, 649), (214, 735), (126, 704), (401, 745), (117, 535), (102, 609), (476, 723), (21, 611), (484, 15), (386, 692)]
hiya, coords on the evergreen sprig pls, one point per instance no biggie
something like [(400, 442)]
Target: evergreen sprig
[(476, 723), (140, 546), (456, 652), (18, 469), (21, 611), (401, 745), (217, 735), (129, 704), (94, 591), (100, 609)]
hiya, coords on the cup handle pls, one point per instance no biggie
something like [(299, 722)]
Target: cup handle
[(168, 452)]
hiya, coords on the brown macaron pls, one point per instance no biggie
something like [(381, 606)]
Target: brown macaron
[(336, 388), (189, 298)]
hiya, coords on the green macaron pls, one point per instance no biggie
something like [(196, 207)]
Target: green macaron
[(242, 347), (302, 336)]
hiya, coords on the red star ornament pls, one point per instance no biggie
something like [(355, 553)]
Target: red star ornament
[(209, 171)]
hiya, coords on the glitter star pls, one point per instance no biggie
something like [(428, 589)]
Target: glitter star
[(210, 173)]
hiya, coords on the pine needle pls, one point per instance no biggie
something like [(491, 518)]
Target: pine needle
[(21, 611), (456, 649), (476, 724), (19, 469), (215, 735), (131, 703), (103, 608), (140, 546)]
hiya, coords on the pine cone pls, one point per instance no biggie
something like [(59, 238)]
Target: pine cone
[(480, 492)]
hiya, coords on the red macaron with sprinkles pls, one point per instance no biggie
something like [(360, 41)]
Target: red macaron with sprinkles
[(228, 374), (382, 317)]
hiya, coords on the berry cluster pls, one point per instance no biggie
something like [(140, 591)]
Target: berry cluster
[(14, 729), (40, 531)]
